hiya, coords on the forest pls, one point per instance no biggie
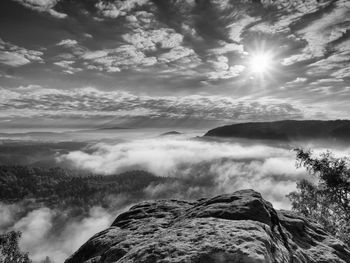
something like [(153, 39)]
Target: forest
[(63, 188)]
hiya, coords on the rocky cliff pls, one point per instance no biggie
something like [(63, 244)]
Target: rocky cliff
[(239, 227)]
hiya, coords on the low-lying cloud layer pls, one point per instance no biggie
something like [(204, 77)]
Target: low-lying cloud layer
[(50, 232), (201, 168), (39, 238), (195, 168)]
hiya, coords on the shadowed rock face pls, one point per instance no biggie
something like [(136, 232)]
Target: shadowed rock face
[(239, 227)]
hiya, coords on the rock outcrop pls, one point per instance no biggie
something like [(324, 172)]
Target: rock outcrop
[(239, 227)]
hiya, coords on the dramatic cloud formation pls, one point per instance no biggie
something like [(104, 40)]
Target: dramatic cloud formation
[(184, 48), (120, 107)]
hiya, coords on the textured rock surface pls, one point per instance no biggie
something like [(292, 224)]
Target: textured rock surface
[(240, 227)]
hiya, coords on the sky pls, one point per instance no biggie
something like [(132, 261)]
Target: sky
[(162, 63)]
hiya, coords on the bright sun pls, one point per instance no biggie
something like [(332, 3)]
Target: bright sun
[(260, 63)]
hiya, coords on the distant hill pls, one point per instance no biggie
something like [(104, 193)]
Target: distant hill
[(286, 130), (113, 128), (171, 133)]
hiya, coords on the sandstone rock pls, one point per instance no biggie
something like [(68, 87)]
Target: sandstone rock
[(240, 227)]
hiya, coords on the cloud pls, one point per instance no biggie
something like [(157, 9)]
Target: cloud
[(286, 14), (223, 69), (326, 29), (147, 43), (67, 66), (43, 235), (327, 81), (224, 47), (113, 60), (192, 47), (57, 14), (15, 56), (334, 67), (34, 227), (178, 53), (67, 43), (95, 54), (152, 39), (7, 215), (39, 4), (296, 58), (165, 44), (237, 27), (118, 8), (296, 81), (341, 73), (321, 32), (201, 168), (198, 168), (13, 59), (34, 101), (114, 158), (43, 6)]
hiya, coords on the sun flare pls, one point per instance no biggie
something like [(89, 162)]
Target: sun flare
[(260, 63)]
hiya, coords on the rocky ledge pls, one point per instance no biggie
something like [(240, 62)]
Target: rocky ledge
[(238, 227)]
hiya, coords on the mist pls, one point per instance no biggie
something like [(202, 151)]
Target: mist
[(196, 168), (201, 167), (53, 233)]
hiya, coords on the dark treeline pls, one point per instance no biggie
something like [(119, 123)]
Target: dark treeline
[(67, 188), (338, 130), (35, 153)]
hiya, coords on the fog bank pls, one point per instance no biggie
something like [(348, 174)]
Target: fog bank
[(202, 167)]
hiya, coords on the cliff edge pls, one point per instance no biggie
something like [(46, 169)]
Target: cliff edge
[(237, 227)]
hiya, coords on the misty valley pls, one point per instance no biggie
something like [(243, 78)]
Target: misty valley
[(59, 193)]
